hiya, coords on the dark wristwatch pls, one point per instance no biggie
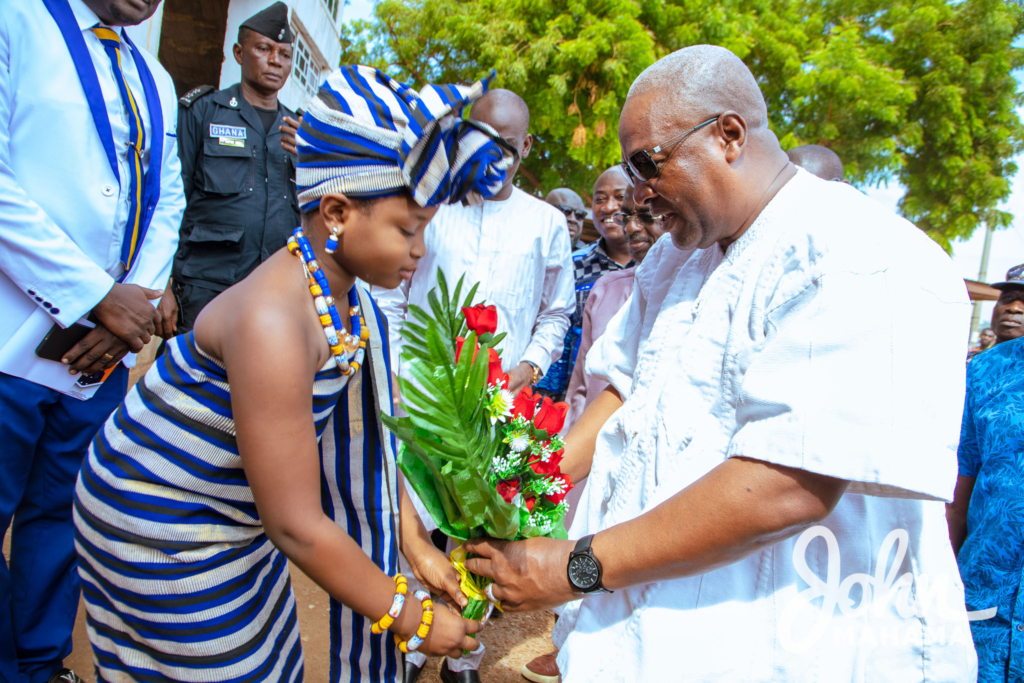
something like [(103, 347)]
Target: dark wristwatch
[(584, 570)]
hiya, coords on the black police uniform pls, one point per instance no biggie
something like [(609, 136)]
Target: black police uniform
[(240, 193)]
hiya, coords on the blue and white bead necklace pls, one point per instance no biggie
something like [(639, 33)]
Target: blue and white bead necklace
[(342, 343)]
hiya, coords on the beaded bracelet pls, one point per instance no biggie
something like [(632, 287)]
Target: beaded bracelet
[(401, 588), (417, 639)]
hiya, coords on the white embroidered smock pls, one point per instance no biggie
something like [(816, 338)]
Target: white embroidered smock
[(829, 337)]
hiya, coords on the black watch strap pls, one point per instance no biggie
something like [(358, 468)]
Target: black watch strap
[(583, 545)]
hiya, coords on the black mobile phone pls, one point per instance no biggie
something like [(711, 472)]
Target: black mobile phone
[(59, 340)]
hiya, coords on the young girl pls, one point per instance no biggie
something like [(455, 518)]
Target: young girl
[(208, 476)]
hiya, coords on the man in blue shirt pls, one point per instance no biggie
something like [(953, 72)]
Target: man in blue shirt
[(986, 518)]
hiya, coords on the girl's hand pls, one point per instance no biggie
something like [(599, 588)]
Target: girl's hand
[(449, 635), (433, 569)]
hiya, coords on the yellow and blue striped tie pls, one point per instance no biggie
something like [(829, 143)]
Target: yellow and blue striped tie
[(137, 143)]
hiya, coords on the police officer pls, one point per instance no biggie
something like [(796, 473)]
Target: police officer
[(239, 180)]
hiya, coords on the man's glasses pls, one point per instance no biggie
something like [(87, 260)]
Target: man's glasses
[(641, 164), (644, 219), (569, 211)]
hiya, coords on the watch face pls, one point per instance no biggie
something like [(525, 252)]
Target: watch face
[(583, 572)]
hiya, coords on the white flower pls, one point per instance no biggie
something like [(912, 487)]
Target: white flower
[(499, 405), (519, 443)]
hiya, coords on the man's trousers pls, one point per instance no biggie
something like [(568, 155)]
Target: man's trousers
[(44, 436)]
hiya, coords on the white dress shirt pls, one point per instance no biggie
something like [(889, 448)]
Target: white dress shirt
[(519, 252), (62, 211), (828, 337)]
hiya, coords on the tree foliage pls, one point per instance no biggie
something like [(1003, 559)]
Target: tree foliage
[(919, 91)]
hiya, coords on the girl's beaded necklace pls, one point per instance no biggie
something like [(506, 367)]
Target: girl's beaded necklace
[(342, 343)]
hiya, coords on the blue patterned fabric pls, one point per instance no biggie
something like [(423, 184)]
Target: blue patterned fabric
[(359, 474), (367, 135), (180, 580), (992, 557)]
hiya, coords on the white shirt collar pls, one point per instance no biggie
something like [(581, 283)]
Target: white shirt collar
[(86, 18)]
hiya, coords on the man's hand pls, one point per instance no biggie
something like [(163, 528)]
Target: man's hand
[(288, 130), (167, 326), (528, 575), (126, 312), (520, 376), (97, 351)]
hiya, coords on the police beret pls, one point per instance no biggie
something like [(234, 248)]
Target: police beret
[(272, 23)]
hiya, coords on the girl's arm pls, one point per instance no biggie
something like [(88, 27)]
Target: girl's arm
[(271, 367), (429, 564)]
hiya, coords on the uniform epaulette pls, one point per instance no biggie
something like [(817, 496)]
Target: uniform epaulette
[(189, 98)]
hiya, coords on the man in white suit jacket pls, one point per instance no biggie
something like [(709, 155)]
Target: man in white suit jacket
[(90, 205)]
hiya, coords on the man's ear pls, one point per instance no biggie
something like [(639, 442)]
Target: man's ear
[(237, 52), (527, 146), (732, 131)]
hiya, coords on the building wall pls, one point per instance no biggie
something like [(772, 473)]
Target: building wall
[(315, 28)]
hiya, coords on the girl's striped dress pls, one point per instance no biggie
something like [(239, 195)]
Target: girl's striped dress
[(180, 581), (359, 476)]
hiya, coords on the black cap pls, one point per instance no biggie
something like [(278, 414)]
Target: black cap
[(272, 23), (1014, 279)]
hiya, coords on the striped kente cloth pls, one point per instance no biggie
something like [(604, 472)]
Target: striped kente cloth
[(180, 581)]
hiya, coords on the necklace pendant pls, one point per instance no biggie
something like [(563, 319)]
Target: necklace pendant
[(350, 343)]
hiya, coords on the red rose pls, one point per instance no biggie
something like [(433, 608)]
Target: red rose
[(550, 416), (556, 498), (529, 503), (481, 319), (507, 490), (495, 376), (525, 403), (549, 467), (459, 342)]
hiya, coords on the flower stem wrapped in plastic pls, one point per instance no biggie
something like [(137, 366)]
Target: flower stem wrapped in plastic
[(482, 461)]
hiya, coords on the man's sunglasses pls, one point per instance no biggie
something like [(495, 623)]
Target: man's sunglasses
[(641, 164), (644, 219), (569, 211)]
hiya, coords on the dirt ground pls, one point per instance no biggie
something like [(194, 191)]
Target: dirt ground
[(512, 640)]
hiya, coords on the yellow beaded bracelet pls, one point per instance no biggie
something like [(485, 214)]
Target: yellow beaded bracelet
[(413, 643), (401, 588)]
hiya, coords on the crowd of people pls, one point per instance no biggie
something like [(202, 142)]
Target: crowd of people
[(775, 479)]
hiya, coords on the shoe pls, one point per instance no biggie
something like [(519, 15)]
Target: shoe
[(65, 676), (467, 676), (412, 672), (543, 669)]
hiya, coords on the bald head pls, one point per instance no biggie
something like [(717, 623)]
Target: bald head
[(694, 128), (564, 195), (502, 109), (570, 204), (707, 79), (821, 161), (506, 113)]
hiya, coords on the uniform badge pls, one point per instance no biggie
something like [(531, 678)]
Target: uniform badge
[(229, 136), (233, 101), (280, 35)]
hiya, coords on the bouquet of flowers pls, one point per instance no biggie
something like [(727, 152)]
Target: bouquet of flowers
[(482, 461)]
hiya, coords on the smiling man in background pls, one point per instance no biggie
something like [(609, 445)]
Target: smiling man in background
[(606, 255), (239, 180)]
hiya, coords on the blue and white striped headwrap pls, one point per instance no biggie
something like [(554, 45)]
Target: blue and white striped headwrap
[(367, 135)]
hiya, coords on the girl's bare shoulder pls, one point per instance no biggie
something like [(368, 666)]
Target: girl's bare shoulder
[(271, 308)]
